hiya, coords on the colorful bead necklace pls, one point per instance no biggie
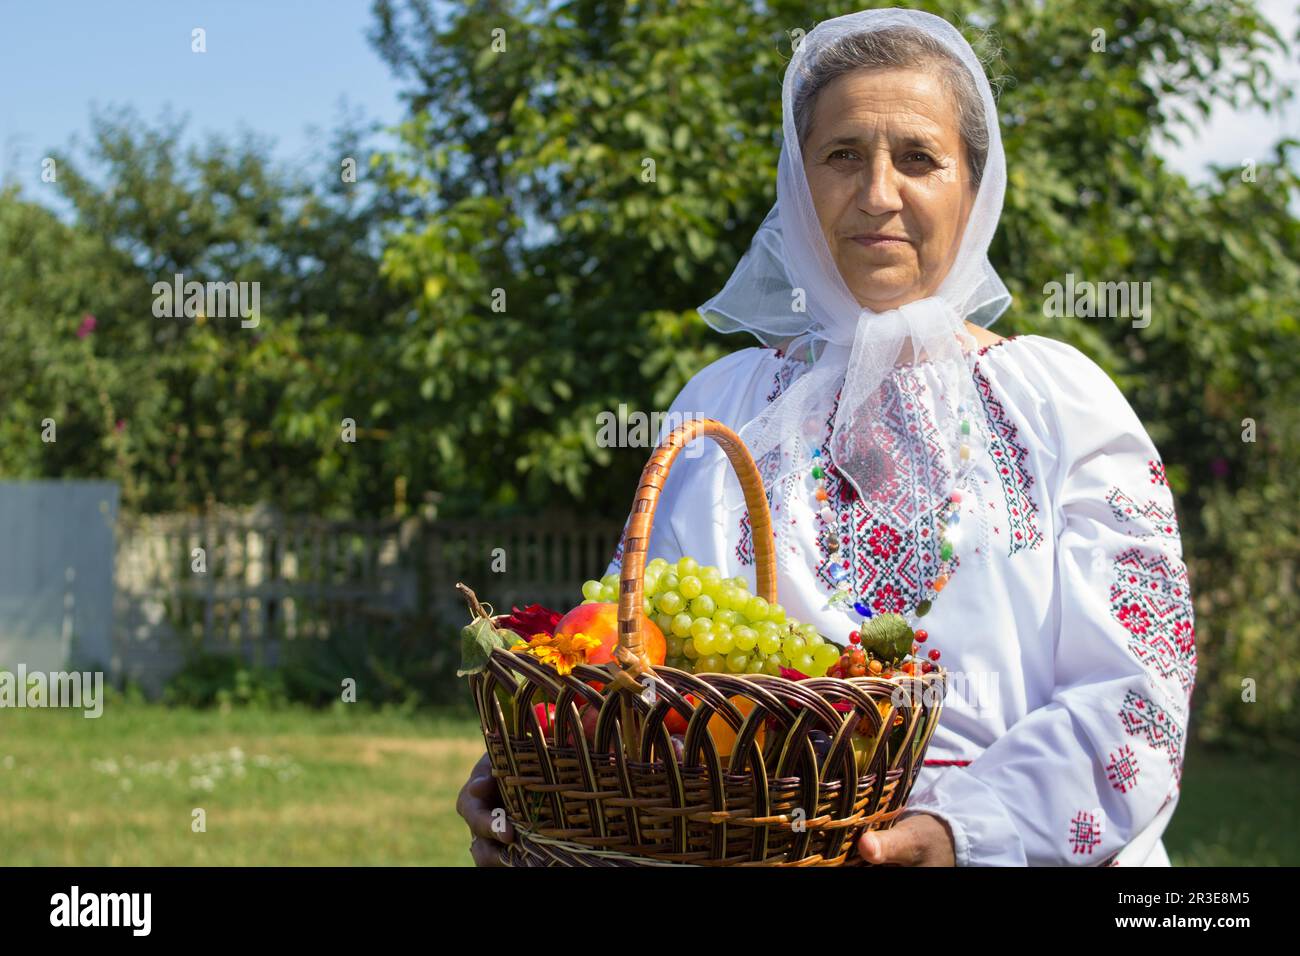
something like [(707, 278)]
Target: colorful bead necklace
[(950, 516)]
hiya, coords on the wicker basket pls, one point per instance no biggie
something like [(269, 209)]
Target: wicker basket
[(629, 799)]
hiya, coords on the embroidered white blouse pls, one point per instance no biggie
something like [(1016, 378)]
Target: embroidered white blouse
[(1067, 626)]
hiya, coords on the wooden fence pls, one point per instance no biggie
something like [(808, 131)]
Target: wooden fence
[(509, 562), (246, 583)]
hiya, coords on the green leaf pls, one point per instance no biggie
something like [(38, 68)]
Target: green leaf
[(478, 639), (887, 636)]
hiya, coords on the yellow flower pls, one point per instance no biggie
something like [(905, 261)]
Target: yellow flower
[(884, 707), (563, 653)]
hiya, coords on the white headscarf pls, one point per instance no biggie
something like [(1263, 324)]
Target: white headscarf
[(853, 347)]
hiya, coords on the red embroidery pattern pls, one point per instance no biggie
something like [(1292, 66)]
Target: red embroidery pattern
[(1157, 470), (1144, 718), (891, 559), (992, 345), (1160, 521), (1151, 598), (1122, 771), (1085, 833), (1010, 458)]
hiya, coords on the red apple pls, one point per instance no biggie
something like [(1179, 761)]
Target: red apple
[(675, 721), (545, 714), (600, 620)]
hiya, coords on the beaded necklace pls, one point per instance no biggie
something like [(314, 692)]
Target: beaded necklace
[(949, 514)]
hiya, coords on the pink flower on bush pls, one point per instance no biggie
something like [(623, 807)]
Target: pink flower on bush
[(87, 326)]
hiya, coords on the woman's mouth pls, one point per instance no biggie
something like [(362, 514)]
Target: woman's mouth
[(878, 239)]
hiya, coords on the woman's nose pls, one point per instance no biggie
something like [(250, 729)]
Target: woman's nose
[(878, 192)]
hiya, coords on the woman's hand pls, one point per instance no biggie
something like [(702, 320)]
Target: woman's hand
[(920, 840), (476, 803)]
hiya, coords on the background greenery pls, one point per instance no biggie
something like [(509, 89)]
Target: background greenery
[(522, 171)]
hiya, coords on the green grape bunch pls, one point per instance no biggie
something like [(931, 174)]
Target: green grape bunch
[(714, 625)]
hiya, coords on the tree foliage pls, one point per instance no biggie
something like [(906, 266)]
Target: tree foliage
[(570, 181), (528, 162), (187, 411)]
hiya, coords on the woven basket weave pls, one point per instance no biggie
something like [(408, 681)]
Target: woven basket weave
[(628, 799)]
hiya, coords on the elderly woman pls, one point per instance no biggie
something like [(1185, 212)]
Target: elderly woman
[(999, 493)]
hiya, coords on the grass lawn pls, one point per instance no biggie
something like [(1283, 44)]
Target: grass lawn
[(355, 787), (1236, 811), (330, 788)]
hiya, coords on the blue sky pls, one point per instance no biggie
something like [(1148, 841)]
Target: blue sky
[(276, 67), (280, 67)]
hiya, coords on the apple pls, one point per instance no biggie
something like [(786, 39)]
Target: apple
[(600, 620), (674, 721), (545, 714), (588, 714)]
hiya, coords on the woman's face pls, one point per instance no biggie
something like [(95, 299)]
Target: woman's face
[(885, 156)]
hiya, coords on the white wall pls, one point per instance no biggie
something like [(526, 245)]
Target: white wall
[(56, 574)]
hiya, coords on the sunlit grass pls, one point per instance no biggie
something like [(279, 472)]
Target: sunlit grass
[(287, 787), (360, 787)]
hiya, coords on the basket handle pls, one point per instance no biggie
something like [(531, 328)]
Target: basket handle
[(630, 652)]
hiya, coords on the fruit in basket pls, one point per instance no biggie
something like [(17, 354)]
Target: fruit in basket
[(545, 714), (675, 721), (861, 752), (863, 734), (600, 621), (721, 626), (821, 744), (724, 738), (679, 747), (887, 637), (589, 714), (881, 647)]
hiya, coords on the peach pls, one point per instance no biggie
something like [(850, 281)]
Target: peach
[(600, 620)]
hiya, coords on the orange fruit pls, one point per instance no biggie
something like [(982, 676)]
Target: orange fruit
[(724, 738)]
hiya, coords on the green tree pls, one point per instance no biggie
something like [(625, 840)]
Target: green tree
[(525, 152), (191, 411)]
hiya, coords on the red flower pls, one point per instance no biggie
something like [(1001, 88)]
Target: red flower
[(87, 326), (533, 619)]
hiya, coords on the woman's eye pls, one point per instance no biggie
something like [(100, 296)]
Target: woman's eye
[(924, 157), (846, 153)]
